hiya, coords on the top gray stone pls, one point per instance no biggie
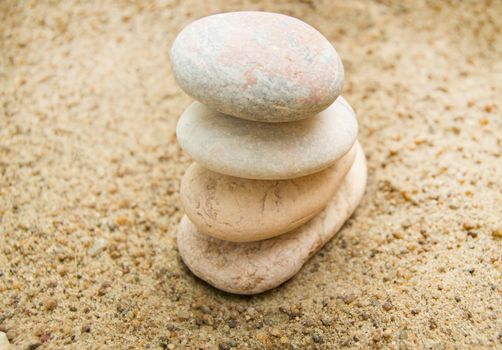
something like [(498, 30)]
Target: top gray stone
[(257, 66)]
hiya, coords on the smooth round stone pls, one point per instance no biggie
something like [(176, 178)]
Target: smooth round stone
[(243, 210), (257, 65), (254, 267), (266, 151), (4, 342)]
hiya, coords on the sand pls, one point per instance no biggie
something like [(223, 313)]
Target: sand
[(90, 171)]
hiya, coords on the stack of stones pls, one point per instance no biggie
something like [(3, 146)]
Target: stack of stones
[(278, 168)]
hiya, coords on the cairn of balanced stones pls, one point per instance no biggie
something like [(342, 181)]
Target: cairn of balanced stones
[(278, 168)]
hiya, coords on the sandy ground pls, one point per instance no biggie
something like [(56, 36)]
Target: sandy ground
[(90, 170)]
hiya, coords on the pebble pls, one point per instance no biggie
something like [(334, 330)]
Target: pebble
[(387, 306), (376, 336), (497, 232), (254, 267), (349, 298), (85, 328), (309, 322), (99, 245), (4, 342), (50, 304), (205, 309), (317, 338), (257, 65), (245, 210), (326, 320), (275, 332), (387, 333), (267, 151), (163, 342), (224, 346)]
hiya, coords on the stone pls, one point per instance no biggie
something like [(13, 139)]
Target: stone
[(4, 342), (257, 65), (99, 245), (266, 151), (254, 267), (244, 210)]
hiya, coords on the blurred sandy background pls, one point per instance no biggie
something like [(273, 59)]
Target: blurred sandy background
[(90, 168)]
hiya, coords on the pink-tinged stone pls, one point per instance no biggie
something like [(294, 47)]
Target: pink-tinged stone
[(257, 65), (267, 151), (243, 210), (254, 267)]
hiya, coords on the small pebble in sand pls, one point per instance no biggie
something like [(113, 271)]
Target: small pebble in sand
[(50, 304), (33, 346), (497, 232), (317, 338), (275, 332), (387, 306), (349, 298), (326, 320), (376, 336), (309, 322), (224, 346), (387, 333), (86, 328), (4, 342), (98, 246), (163, 342)]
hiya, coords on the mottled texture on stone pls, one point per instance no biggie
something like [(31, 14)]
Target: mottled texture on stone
[(245, 210), (266, 151), (254, 267), (257, 66)]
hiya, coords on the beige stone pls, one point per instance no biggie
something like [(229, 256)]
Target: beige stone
[(245, 210), (267, 151), (258, 66), (4, 342), (254, 267)]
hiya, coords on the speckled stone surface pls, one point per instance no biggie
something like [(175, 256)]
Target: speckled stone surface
[(267, 151), (254, 267), (257, 65), (244, 210)]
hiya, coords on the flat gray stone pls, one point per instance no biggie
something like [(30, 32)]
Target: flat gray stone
[(257, 65), (267, 151), (254, 267), (244, 210)]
